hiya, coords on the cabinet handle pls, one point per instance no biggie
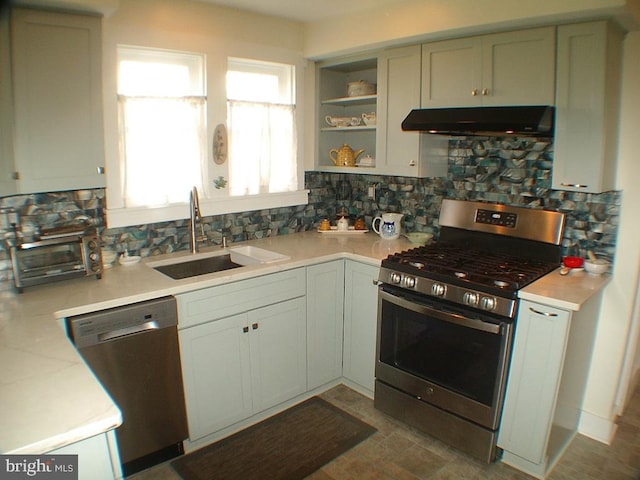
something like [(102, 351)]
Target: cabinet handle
[(474, 92), (546, 314), (485, 91), (245, 329), (574, 185), (254, 326), (100, 170), (412, 163), (15, 176)]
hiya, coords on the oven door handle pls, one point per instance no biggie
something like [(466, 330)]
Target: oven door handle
[(446, 317)]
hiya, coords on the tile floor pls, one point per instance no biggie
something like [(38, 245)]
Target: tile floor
[(397, 452)]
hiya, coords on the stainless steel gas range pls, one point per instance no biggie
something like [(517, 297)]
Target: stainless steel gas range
[(446, 318)]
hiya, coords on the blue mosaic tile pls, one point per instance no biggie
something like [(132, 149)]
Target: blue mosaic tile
[(511, 171)]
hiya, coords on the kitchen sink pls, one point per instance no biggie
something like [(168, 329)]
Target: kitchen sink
[(202, 264)]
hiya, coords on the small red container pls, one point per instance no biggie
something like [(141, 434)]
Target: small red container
[(573, 262)]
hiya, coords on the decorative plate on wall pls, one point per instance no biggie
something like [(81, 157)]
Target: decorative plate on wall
[(220, 144)]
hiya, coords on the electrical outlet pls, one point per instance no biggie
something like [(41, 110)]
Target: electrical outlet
[(372, 192)]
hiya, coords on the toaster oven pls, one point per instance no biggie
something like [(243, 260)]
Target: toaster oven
[(55, 257)]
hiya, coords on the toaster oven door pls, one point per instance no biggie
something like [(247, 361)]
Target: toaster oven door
[(43, 262)]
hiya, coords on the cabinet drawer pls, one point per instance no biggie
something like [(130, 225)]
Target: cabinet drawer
[(218, 302)]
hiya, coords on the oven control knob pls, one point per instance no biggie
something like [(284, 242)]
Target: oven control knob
[(409, 282), (395, 277), (470, 298), (487, 303), (438, 289)]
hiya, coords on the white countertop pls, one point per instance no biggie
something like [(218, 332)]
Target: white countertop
[(568, 292), (48, 396)]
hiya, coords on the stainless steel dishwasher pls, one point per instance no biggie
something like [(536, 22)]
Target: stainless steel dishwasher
[(133, 350)]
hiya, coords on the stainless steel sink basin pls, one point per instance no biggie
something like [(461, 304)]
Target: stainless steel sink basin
[(201, 266), (204, 263)]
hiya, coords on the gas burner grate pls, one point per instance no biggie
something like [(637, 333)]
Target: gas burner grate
[(470, 265)]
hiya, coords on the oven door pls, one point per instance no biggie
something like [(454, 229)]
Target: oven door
[(451, 357)]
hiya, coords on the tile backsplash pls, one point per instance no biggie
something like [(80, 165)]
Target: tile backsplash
[(513, 171)]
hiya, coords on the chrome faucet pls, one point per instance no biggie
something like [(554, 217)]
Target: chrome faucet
[(194, 215)]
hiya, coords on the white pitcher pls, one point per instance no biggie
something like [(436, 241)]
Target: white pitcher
[(388, 225)]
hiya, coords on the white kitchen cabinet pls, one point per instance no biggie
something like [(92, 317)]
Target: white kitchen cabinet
[(409, 154), (8, 184), (512, 68), (360, 325), (588, 97), (547, 380), (325, 299), (333, 77), (217, 374), (278, 347), (58, 141), (251, 353), (98, 457)]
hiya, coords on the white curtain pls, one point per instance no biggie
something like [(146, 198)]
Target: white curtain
[(262, 148), (162, 147)]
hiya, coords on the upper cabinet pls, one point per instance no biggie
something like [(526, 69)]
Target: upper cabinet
[(409, 154), (342, 112), (513, 68), (587, 102), (367, 127), (58, 137)]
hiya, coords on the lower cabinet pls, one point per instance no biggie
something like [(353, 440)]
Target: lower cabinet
[(325, 298), (244, 363), (360, 324), (547, 380), (98, 458), (250, 345)]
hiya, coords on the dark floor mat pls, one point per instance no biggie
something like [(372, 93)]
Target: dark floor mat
[(287, 446)]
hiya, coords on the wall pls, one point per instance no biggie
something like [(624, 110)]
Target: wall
[(194, 26), (514, 171), (618, 328), (415, 21)]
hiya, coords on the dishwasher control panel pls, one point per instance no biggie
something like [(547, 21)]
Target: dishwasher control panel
[(105, 325)]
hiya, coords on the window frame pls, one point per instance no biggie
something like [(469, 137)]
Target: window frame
[(212, 201)]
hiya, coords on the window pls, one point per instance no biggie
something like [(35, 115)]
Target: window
[(162, 126), (261, 124)]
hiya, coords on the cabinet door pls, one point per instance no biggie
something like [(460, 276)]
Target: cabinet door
[(518, 68), (534, 380), (589, 60), (8, 184), (360, 324), (278, 339), (325, 297), (398, 93), (452, 73), (57, 65), (217, 375)]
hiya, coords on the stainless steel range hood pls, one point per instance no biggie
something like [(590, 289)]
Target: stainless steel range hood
[(534, 120)]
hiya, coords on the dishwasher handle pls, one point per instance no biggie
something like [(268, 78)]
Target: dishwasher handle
[(125, 332)]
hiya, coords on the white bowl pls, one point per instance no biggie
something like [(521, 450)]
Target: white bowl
[(419, 237), (108, 258), (598, 267), (127, 260)]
